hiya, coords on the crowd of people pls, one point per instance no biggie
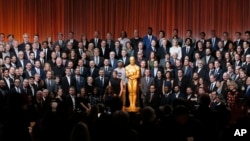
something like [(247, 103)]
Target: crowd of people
[(70, 89)]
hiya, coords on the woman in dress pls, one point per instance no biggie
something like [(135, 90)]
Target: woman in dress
[(176, 49), (90, 51), (85, 105), (129, 48), (168, 81), (152, 58)]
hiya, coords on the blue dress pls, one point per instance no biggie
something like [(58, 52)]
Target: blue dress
[(168, 83)]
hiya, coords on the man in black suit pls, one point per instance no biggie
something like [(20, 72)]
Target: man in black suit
[(21, 62), (188, 71), (72, 40), (155, 69), (214, 40), (124, 57), (98, 60), (201, 70), (117, 49), (107, 69), (14, 50), (226, 40), (17, 86), (208, 58), (181, 80), (246, 48), (218, 72), (237, 61), (46, 50), (68, 81), (136, 39), (58, 68), (202, 39), (238, 41), (212, 86), (71, 101), (9, 82), (110, 42), (96, 40), (188, 49), (83, 70), (93, 71), (101, 82), (60, 41), (80, 81), (167, 96), (29, 71), (25, 41), (25, 89), (247, 65), (177, 93), (104, 51), (152, 98)]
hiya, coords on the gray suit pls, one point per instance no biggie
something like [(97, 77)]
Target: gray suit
[(52, 86), (145, 87)]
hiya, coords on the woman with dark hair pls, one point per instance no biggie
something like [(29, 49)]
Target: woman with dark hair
[(168, 81), (84, 41), (73, 57), (152, 58), (123, 39), (129, 49)]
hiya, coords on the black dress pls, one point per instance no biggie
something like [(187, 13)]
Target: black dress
[(115, 85)]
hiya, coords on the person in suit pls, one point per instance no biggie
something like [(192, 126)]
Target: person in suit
[(155, 69), (104, 51), (140, 49), (25, 89), (117, 49), (68, 81), (163, 61), (80, 81), (71, 101), (72, 40), (212, 86), (247, 94), (29, 71), (188, 49), (9, 82), (164, 48), (218, 72), (60, 41), (236, 62), (136, 39), (112, 61), (148, 38), (182, 81), (58, 68), (25, 41), (17, 87), (101, 82), (84, 41), (124, 57), (202, 39), (35, 50), (93, 71), (145, 82), (166, 97), (201, 70), (38, 69), (246, 49), (107, 69), (214, 40), (189, 33), (14, 50), (176, 37), (177, 94), (188, 71), (83, 69), (58, 50), (96, 40), (208, 58), (154, 49), (226, 40), (46, 50), (139, 58), (152, 98), (191, 97), (143, 67), (109, 41), (50, 83), (98, 60), (238, 40)]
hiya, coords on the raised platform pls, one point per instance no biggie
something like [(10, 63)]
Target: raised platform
[(130, 109)]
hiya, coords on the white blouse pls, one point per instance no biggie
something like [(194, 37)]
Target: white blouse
[(176, 50)]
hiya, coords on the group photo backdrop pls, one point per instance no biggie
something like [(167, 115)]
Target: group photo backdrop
[(49, 17)]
